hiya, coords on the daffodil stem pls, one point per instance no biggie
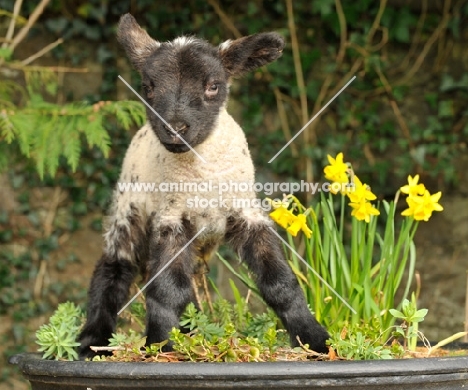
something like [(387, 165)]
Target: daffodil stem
[(342, 216)]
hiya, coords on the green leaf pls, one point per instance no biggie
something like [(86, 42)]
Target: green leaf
[(397, 314), (140, 343), (421, 313)]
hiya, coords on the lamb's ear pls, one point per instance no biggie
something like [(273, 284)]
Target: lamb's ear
[(248, 53), (137, 43)]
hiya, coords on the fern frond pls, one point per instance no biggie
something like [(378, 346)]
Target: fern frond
[(120, 111), (96, 134), (6, 128), (137, 112), (45, 131), (54, 144), (40, 147), (39, 78), (8, 91), (126, 112), (23, 127), (71, 143)]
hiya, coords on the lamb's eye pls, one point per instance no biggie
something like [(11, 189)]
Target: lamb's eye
[(149, 91), (211, 90)]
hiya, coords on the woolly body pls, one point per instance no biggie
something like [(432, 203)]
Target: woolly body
[(147, 161)]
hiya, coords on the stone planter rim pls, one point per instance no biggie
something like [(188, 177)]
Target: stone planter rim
[(424, 373)]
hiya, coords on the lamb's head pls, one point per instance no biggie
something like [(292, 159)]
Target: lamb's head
[(186, 81)]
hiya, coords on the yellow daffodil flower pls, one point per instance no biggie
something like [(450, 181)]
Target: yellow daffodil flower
[(337, 170), (363, 209), (300, 223), (422, 206), (359, 192), (413, 188), (283, 217)]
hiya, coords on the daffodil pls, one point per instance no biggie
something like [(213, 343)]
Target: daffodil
[(337, 170), (283, 217), (421, 207), (359, 192), (300, 223), (413, 188), (363, 209)]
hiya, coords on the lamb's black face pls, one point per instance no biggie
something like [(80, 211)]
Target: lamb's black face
[(184, 81)]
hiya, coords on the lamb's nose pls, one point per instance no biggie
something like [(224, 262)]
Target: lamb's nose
[(178, 127)]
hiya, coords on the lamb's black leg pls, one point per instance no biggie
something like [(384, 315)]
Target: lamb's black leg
[(125, 247), (259, 247), (107, 295), (171, 291)]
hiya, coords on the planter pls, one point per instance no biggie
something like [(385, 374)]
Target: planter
[(415, 374)]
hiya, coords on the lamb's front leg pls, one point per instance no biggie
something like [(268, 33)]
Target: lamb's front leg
[(112, 277), (259, 247), (107, 294), (170, 292)]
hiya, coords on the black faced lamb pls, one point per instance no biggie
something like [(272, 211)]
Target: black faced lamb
[(186, 82)]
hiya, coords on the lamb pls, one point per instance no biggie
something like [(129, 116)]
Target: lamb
[(186, 81)]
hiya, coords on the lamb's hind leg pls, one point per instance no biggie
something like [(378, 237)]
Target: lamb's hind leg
[(259, 247), (112, 278)]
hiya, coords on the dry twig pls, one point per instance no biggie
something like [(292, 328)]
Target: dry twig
[(106, 349), (343, 31), (428, 45), (11, 26), (32, 19), (41, 52), (416, 38), (375, 24), (47, 228), (395, 108)]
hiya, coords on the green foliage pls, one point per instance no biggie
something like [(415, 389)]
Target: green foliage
[(47, 131), (356, 346), (411, 316), (200, 321), (366, 268), (128, 339), (57, 339), (212, 324), (228, 333), (409, 313), (226, 347)]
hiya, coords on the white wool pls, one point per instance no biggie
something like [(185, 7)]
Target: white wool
[(182, 41), (223, 46), (227, 159)]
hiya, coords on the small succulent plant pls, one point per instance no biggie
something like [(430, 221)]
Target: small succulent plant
[(57, 339)]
